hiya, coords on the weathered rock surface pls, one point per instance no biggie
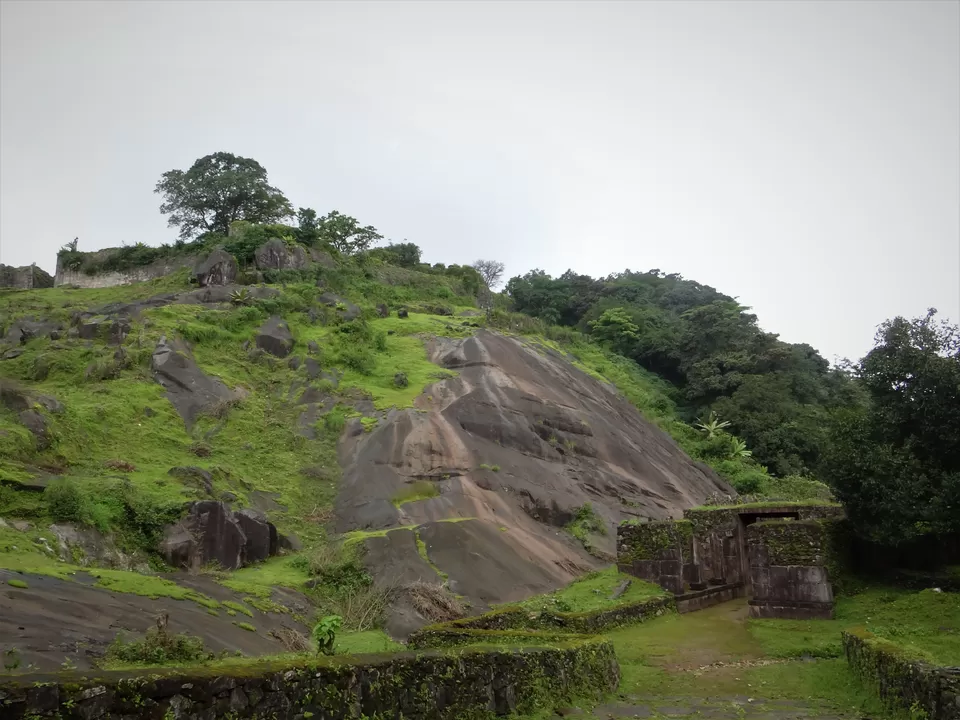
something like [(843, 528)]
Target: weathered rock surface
[(515, 444), (345, 309), (218, 268), (88, 546), (212, 533), (274, 337), (25, 329), (189, 389), (275, 254)]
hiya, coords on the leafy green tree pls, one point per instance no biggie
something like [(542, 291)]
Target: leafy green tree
[(345, 234), (615, 329), (405, 254), (308, 231), (895, 462), (217, 190)]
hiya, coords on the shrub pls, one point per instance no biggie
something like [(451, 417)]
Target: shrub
[(158, 648), (585, 522), (325, 633), (64, 501)]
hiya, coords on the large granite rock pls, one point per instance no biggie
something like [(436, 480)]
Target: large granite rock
[(25, 329), (218, 268), (212, 533), (275, 254), (274, 337), (188, 388)]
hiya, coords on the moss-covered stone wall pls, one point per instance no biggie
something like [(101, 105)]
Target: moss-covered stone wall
[(505, 624), (903, 679), (458, 683), (659, 551)]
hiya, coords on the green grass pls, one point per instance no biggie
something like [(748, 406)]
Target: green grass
[(246, 626), (592, 592), (367, 641), (926, 621), (259, 580), (713, 654), (13, 582), (420, 490), (238, 607)]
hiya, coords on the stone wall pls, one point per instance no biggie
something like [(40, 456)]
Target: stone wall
[(660, 552), (157, 269), (27, 277), (788, 562), (429, 684), (902, 679)]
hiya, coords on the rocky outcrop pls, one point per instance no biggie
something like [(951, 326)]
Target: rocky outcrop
[(110, 330), (27, 406), (188, 388), (274, 337), (218, 268), (212, 533), (515, 446), (275, 254), (88, 547), (28, 328), (345, 309)]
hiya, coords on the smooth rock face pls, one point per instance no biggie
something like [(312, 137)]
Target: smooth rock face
[(275, 338), (516, 444), (218, 268), (261, 536), (188, 388)]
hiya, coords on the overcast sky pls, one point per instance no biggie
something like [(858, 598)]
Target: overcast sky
[(802, 156)]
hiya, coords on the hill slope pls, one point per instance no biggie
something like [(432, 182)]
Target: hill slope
[(134, 410)]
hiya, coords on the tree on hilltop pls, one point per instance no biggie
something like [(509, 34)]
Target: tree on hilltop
[(217, 190), (490, 270)]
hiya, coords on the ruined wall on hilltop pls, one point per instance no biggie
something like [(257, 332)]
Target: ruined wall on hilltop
[(80, 276), (27, 277)]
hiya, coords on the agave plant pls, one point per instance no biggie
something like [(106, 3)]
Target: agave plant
[(240, 297), (713, 424), (738, 448)]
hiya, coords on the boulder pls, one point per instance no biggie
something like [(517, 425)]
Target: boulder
[(290, 543), (275, 338), (188, 388), (345, 309), (262, 539), (383, 311), (218, 268), (312, 347), (212, 533), (325, 259), (402, 313), (25, 329), (111, 330), (87, 546), (37, 425), (275, 254), (400, 380), (312, 368), (209, 533)]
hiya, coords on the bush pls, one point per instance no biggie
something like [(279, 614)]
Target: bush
[(158, 648), (64, 501), (325, 633)]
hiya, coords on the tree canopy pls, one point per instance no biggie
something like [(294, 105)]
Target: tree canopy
[(217, 190), (895, 461)]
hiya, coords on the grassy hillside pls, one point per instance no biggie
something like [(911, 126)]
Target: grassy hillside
[(111, 447)]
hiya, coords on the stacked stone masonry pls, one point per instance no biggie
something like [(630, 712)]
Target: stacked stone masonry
[(429, 684), (779, 555)]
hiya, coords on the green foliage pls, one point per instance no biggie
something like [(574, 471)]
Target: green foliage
[(64, 500), (405, 254), (774, 396), (585, 523), (712, 425), (217, 190), (246, 626), (345, 234), (895, 463), (157, 648), (325, 633)]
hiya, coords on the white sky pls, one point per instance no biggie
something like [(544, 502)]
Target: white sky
[(803, 156)]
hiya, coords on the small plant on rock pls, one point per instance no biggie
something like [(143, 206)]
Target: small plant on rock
[(325, 633), (241, 297)]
